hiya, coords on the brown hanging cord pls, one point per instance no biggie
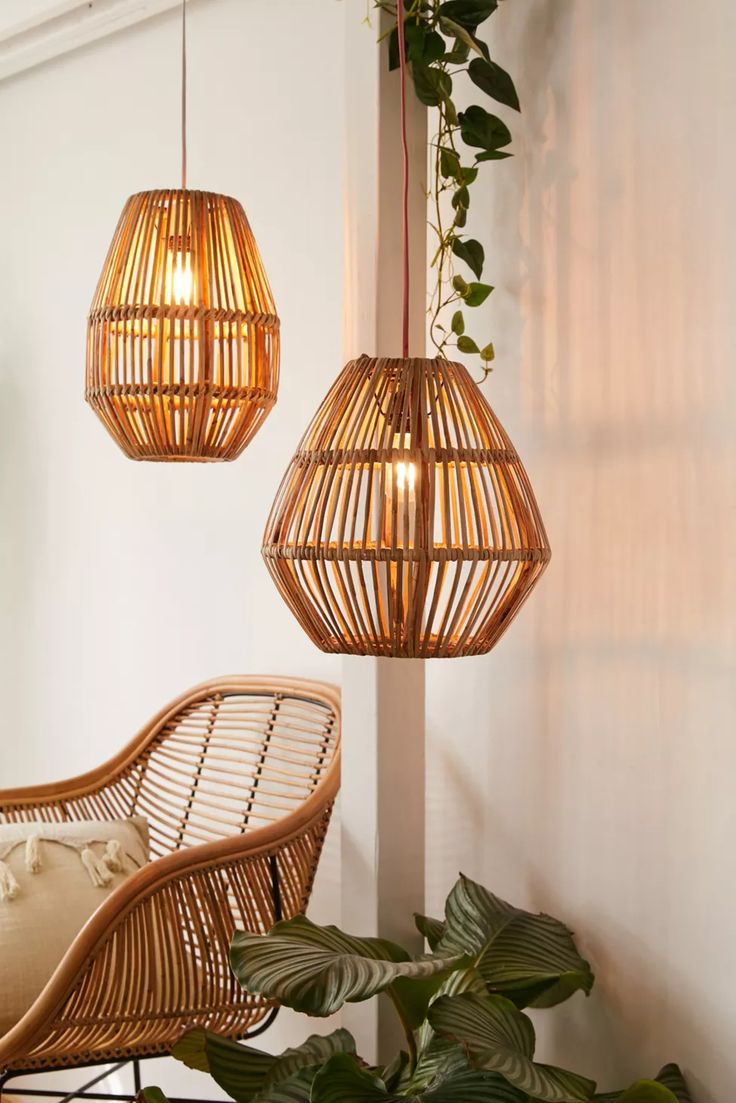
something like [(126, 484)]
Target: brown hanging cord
[(400, 27), (183, 94)]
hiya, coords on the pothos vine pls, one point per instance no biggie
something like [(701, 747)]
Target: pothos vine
[(441, 38)]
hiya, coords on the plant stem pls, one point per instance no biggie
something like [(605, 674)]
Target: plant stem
[(408, 1032)]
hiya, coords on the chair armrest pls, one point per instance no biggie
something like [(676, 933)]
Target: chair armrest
[(155, 953)]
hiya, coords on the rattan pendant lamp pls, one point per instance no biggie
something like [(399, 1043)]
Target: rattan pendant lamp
[(182, 336), (405, 525)]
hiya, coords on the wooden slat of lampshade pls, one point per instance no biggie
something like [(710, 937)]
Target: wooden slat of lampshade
[(405, 525), (183, 337)]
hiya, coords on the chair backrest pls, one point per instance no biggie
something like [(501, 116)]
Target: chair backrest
[(233, 755), (226, 757)]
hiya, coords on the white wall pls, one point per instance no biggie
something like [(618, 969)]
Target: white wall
[(588, 766), (123, 583)]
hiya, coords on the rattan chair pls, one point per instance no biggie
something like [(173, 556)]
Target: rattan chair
[(237, 779)]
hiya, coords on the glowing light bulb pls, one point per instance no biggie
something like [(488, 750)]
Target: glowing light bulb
[(405, 476), (182, 281), (406, 473)]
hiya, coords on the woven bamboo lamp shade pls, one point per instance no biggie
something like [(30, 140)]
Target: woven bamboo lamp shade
[(405, 525), (183, 337)]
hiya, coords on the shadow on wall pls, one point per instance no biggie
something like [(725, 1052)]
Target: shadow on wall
[(606, 797)]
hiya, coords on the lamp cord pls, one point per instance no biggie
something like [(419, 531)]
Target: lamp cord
[(184, 94), (400, 28)]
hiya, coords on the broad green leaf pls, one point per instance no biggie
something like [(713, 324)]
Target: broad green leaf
[(480, 129), (467, 175), (461, 198), (343, 1081), (641, 1091), (413, 996), (492, 155), (432, 86), (317, 969), (668, 1087), (468, 13), (476, 293), (494, 81), (458, 32), (498, 1038), (154, 1095), (672, 1078), (467, 344), (433, 929), (449, 162), (249, 1074), (240, 1070), (294, 1089), (488, 353), (458, 55), (423, 45), (459, 284), (532, 959), (472, 252)]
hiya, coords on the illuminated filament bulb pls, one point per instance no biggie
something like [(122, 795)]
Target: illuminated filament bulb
[(406, 473), (179, 285), (182, 280)]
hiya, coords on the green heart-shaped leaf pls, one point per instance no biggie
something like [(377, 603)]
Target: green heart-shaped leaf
[(494, 81), (480, 129), (468, 13), (472, 253)]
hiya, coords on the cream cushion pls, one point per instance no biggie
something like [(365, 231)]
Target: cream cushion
[(48, 908)]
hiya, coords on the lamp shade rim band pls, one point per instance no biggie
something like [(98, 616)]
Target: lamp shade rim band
[(346, 554), (186, 313), (183, 390)]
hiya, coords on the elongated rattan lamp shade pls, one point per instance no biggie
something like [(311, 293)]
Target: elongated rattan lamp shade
[(183, 337), (405, 525)]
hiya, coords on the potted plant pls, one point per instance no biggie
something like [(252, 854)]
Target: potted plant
[(461, 1007)]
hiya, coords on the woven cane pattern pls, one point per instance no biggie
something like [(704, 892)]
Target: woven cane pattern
[(406, 524), (237, 780), (183, 337)]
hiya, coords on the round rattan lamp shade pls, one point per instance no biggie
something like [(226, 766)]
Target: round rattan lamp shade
[(183, 337), (405, 525)]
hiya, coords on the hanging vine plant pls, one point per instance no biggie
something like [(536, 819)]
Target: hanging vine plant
[(442, 43)]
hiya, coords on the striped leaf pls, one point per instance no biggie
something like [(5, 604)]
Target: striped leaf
[(317, 969), (669, 1087), (499, 1038), (641, 1091), (151, 1095), (250, 1076), (671, 1077), (342, 1081), (532, 959), (431, 929)]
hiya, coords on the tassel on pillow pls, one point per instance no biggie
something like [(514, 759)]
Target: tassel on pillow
[(33, 854), (9, 887), (99, 874), (113, 859)]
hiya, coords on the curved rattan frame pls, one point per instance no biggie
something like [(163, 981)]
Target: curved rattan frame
[(405, 525), (137, 975), (182, 336)]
